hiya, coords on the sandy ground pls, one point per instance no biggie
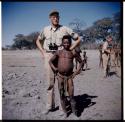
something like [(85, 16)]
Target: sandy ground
[(24, 89)]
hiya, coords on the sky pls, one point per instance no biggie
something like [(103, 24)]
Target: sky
[(27, 17)]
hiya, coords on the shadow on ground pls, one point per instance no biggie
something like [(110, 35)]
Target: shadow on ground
[(112, 73), (82, 101)]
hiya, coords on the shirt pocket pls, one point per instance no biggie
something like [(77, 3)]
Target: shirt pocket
[(59, 39), (48, 39)]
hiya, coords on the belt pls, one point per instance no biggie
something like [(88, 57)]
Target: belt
[(50, 51), (64, 76)]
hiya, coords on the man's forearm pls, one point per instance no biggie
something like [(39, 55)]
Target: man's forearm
[(77, 42), (39, 44), (52, 66), (79, 68)]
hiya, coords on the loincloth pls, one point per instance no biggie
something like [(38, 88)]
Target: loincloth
[(65, 81)]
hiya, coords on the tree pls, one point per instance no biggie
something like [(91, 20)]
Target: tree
[(32, 37), (77, 25), (27, 42), (116, 27), (102, 27), (18, 41)]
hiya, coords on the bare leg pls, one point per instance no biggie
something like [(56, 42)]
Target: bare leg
[(70, 87), (117, 61), (86, 65), (62, 93), (105, 64), (76, 63), (83, 65), (99, 62), (71, 95)]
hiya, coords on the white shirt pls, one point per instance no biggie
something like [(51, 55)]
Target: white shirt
[(55, 35), (105, 45)]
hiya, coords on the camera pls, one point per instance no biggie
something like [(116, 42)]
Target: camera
[(110, 46), (53, 46)]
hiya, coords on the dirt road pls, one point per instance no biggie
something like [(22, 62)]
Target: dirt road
[(24, 89)]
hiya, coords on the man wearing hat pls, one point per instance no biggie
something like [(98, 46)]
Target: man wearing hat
[(106, 54), (52, 37)]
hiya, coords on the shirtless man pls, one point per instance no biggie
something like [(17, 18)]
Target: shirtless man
[(84, 60), (64, 71), (106, 50), (78, 51), (100, 56), (118, 56)]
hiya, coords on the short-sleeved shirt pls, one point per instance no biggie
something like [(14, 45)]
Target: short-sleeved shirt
[(105, 45), (52, 35)]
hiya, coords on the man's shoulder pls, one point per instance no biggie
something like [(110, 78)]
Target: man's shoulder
[(47, 27), (65, 27)]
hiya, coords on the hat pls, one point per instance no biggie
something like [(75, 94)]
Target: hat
[(54, 12)]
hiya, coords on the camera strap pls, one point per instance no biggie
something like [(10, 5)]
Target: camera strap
[(54, 35)]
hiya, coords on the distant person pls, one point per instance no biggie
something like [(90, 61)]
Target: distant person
[(85, 62), (100, 56), (78, 51), (114, 55), (65, 74), (51, 37), (118, 55), (106, 55)]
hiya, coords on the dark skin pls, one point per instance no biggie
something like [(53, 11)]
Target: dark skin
[(65, 67), (85, 57), (100, 56), (65, 60), (77, 49)]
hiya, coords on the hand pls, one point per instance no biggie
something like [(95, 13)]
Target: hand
[(71, 48), (43, 53), (78, 72), (55, 70), (75, 73)]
